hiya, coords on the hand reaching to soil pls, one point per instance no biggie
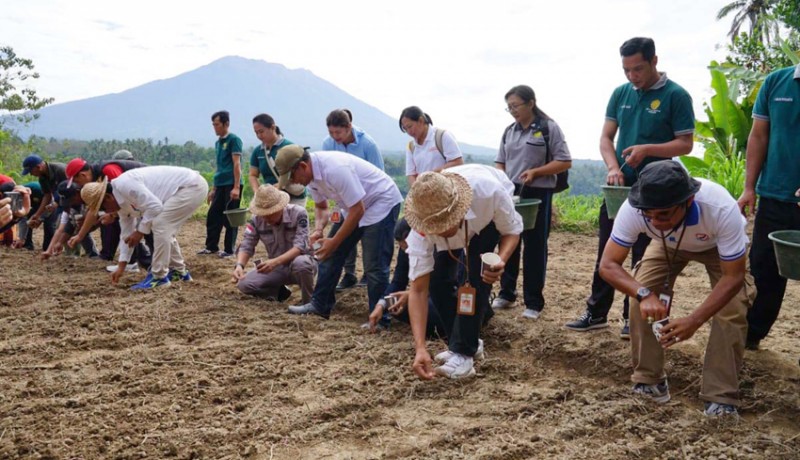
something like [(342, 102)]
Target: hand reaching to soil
[(423, 365)]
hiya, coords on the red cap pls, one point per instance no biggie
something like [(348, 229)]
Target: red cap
[(74, 167)]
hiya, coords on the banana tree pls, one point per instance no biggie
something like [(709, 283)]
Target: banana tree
[(724, 135)]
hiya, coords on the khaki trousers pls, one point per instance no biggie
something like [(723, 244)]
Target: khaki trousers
[(177, 209), (725, 349)]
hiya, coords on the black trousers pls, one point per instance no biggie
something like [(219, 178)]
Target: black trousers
[(771, 215), (533, 246), (464, 330), (602, 296), (110, 235), (217, 220)]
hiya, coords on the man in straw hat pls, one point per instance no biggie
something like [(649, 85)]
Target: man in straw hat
[(165, 197), (463, 213), (372, 203), (283, 228), (688, 220)]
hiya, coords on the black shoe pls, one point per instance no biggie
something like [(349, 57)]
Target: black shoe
[(362, 283), (587, 323), (347, 282), (284, 293), (751, 344)]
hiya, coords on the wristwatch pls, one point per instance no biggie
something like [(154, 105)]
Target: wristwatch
[(642, 292), (239, 264)]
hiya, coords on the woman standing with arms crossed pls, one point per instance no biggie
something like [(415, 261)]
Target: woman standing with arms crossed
[(532, 152), (262, 160)]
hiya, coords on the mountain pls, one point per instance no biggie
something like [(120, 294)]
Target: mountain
[(179, 108)]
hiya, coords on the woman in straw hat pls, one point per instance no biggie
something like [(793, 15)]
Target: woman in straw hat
[(462, 212), (165, 196), (283, 228)]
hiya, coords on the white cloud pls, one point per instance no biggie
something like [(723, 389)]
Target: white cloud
[(455, 59)]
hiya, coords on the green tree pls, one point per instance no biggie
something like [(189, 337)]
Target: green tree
[(723, 135), (17, 97), (757, 13)]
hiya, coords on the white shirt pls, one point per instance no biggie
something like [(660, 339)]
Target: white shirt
[(491, 202), (141, 192), (426, 157), (713, 221), (347, 179)]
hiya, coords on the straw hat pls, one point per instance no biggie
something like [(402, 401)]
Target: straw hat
[(268, 200), (437, 202), (92, 194)]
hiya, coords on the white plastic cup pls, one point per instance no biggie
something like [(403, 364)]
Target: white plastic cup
[(488, 260)]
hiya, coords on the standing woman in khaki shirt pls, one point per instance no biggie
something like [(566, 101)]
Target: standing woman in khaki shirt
[(532, 152)]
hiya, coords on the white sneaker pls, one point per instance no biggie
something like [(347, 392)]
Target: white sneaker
[(531, 314), (444, 356), (500, 303), (130, 268), (457, 367)]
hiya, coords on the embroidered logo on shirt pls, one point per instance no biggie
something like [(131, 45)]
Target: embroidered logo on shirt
[(784, 99), (302, 222), (654, 106), (249, 229), (701, 237)]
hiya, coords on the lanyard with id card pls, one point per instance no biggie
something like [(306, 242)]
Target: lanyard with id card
[(665, 294), (466, 293)]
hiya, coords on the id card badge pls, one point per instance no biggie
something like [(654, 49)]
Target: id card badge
[(466, 300), (665, 296), (336, 217)]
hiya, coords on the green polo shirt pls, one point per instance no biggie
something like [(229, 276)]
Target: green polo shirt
[(227, 147), (778, 102), (653, 116), (258, 159)]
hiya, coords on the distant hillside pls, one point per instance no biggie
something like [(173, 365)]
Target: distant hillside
[(179, 108)]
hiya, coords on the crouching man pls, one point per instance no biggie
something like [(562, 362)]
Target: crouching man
[(688, 220), (461, 213), (283, 228), (165, 197)]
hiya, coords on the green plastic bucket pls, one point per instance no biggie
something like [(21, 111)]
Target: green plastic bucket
[(236, 217), (528, 209), (615, 195), (787, 251)]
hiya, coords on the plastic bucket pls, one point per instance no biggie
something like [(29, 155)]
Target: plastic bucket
[(787, 252), (236, 217), (615, 195), (528, 209)]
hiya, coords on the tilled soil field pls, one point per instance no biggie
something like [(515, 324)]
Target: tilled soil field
[(197, 370)]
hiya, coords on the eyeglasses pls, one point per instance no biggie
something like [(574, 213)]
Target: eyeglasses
[(660, 216), (514, 108)]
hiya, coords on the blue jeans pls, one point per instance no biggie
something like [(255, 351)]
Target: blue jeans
[(377, 243)]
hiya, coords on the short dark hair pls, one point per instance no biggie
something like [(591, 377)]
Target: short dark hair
[(643, 45), (341, 118), (266, 121), (526, 93), (223, 115), (413, 113)]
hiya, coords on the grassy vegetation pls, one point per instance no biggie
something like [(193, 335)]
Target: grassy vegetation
[(576, 213)]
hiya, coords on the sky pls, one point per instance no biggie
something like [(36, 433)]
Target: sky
[(454, 59)]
